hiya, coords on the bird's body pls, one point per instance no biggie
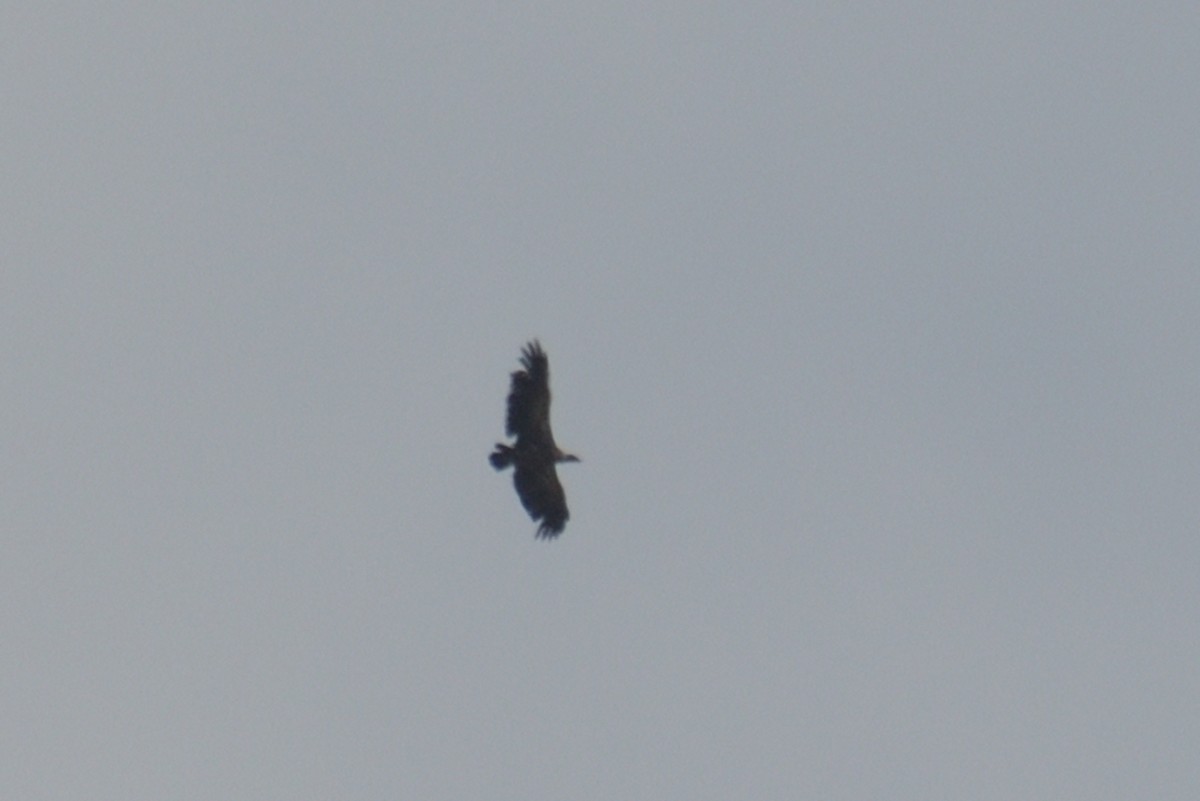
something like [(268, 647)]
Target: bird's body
[(534, 453)]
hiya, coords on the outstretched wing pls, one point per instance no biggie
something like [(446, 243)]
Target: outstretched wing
[(542, 496), (529, 399)]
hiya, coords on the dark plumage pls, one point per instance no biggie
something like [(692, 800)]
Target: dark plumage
[(534, 454)]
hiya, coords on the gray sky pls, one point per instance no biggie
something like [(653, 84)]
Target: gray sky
[(875, 326)]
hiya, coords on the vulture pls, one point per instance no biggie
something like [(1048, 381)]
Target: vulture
[(534, 454)]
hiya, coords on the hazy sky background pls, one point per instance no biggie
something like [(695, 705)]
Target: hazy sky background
[(874, 324)]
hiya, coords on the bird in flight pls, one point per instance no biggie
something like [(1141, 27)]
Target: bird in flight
[(534, 454)]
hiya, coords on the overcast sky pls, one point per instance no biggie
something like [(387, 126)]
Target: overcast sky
[(875, 326)]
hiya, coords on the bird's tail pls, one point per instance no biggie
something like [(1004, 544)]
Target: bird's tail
[(502, 457)]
